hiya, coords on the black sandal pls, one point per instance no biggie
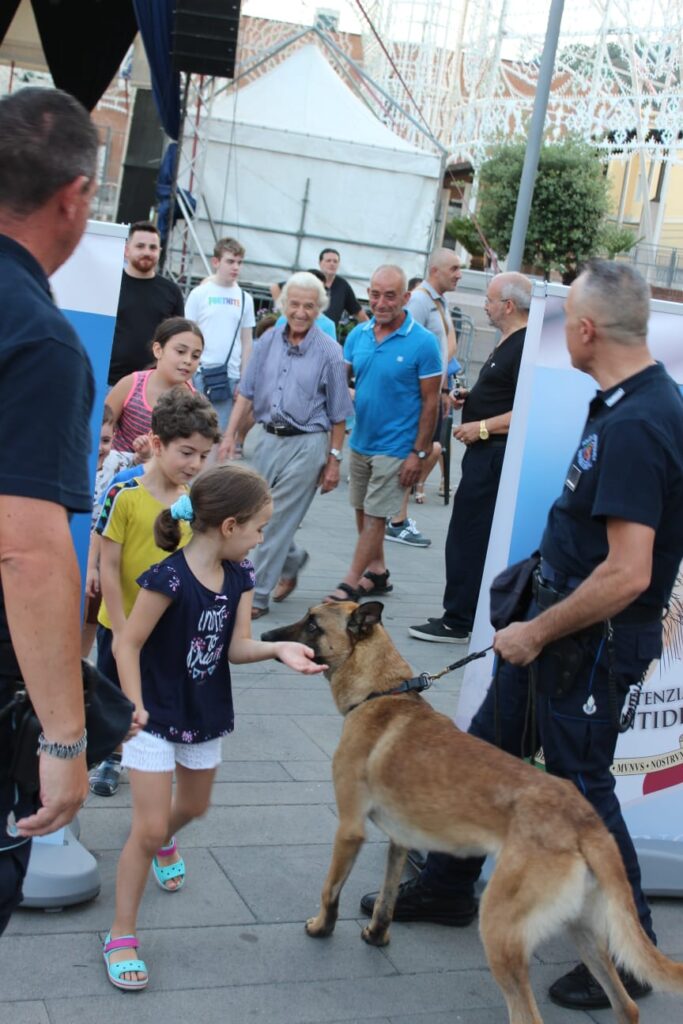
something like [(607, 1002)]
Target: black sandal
[(380, 583), (351, 594)]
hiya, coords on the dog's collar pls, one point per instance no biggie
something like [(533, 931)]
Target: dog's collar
[(415, 685)]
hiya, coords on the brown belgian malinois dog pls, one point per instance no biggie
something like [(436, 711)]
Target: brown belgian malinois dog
[(430, 786)]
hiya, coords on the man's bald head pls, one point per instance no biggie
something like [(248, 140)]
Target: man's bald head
[(444, 270)]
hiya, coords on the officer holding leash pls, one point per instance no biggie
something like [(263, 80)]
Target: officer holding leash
[(48, 155), (610, 553)]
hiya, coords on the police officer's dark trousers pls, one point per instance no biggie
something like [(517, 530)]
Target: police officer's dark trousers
[(578, 744), (474, 503)]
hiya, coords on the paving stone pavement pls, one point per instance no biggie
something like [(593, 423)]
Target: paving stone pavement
[(231, 946)]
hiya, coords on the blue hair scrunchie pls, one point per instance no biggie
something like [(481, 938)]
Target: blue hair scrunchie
[(182, 508)]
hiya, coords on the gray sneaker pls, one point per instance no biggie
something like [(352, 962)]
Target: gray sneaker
[(408, 533)]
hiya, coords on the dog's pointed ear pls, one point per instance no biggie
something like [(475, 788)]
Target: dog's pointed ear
[(364, 618)]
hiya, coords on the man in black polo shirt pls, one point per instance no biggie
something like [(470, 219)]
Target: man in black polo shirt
[(146, 298), (340, 293), (611, 549), (48, 153), (486, 415)]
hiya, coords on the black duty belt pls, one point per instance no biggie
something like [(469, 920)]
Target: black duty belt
[(546, 595), (283, 430)]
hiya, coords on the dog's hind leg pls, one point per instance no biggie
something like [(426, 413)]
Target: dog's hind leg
[(347, 843), (503, 926), (377, 932), (595, 954)]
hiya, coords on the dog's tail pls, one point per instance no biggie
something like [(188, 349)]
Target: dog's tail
[(617, 918)]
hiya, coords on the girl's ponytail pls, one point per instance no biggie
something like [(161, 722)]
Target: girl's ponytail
[(167, 524)]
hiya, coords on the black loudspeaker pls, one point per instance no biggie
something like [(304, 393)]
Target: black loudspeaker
[(137, 195), (205, 36)]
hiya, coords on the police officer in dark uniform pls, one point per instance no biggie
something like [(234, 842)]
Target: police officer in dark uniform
[(486, 415), (610, 553), (48, 155)]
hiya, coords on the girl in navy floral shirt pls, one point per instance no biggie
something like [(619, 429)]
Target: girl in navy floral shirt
[(192, 614)]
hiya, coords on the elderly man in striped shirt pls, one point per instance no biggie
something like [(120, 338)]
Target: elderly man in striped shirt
[(295, 385)]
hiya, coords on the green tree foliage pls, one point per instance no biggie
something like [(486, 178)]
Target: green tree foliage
[(462, 230), (571, 201), (613, 239)]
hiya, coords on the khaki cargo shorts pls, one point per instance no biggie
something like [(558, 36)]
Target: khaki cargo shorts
[(373, 484)]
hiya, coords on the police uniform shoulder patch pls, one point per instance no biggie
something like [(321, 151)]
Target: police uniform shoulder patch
[(588, 451)]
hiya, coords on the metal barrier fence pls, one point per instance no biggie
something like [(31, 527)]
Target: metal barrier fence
[(661, 265)]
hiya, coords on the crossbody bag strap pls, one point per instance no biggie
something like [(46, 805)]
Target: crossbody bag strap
[(237, 330), (448, 328)]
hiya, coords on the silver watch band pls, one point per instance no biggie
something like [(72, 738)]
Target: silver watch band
[(64, 751), (336, 454)]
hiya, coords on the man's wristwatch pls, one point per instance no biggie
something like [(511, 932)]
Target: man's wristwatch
[(336, 453), (483, 431), (64, 751), (420, 454)]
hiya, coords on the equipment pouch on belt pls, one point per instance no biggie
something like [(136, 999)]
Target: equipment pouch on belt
[(560, 664), (511, 592)]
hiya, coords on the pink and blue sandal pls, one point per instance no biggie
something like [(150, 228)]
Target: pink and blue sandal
[(114, 971), (165, 874)]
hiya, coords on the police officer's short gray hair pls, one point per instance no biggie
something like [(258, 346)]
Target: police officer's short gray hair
[(617, 297), (309, 282)]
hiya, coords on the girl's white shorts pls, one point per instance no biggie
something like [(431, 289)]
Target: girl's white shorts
[(149, 753)]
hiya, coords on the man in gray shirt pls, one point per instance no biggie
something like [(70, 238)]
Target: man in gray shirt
[(429, 308), (296, 386)]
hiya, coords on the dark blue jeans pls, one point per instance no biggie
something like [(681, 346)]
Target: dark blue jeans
[(577, 746)]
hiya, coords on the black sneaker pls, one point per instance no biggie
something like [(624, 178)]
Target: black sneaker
[(416, 903), (579, 990), (438, 632), (104, 780)]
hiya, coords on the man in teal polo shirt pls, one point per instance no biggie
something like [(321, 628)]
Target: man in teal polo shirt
[(397, 368)]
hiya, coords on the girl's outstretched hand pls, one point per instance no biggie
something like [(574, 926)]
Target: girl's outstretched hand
[(299, 657)]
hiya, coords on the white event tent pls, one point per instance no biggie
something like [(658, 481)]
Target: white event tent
[(295, 161)]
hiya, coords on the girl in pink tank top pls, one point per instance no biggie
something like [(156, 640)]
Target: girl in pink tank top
[(177, 347)]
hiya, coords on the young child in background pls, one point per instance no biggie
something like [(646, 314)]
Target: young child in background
[(177, 347), (192, 616), (109, 463), (184, 429)]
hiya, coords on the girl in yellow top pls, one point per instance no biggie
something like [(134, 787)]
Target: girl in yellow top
[(184, 429)]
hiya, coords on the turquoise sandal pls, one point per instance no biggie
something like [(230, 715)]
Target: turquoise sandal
[(114, 971), (165, 874)]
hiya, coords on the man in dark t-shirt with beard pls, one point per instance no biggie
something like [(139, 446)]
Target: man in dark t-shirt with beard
[(145, 300)]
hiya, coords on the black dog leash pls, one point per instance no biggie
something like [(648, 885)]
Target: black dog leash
[(422, 682), (458, 664)]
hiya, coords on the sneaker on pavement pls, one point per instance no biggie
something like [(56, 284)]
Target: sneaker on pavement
[(414, 902), (406, 533), (104, 780), (437, 632), (579, 990)]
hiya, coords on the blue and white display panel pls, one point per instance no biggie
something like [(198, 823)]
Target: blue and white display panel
[(549, 413)]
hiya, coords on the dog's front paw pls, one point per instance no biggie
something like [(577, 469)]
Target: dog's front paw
[(318, 927), (375, 938)]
